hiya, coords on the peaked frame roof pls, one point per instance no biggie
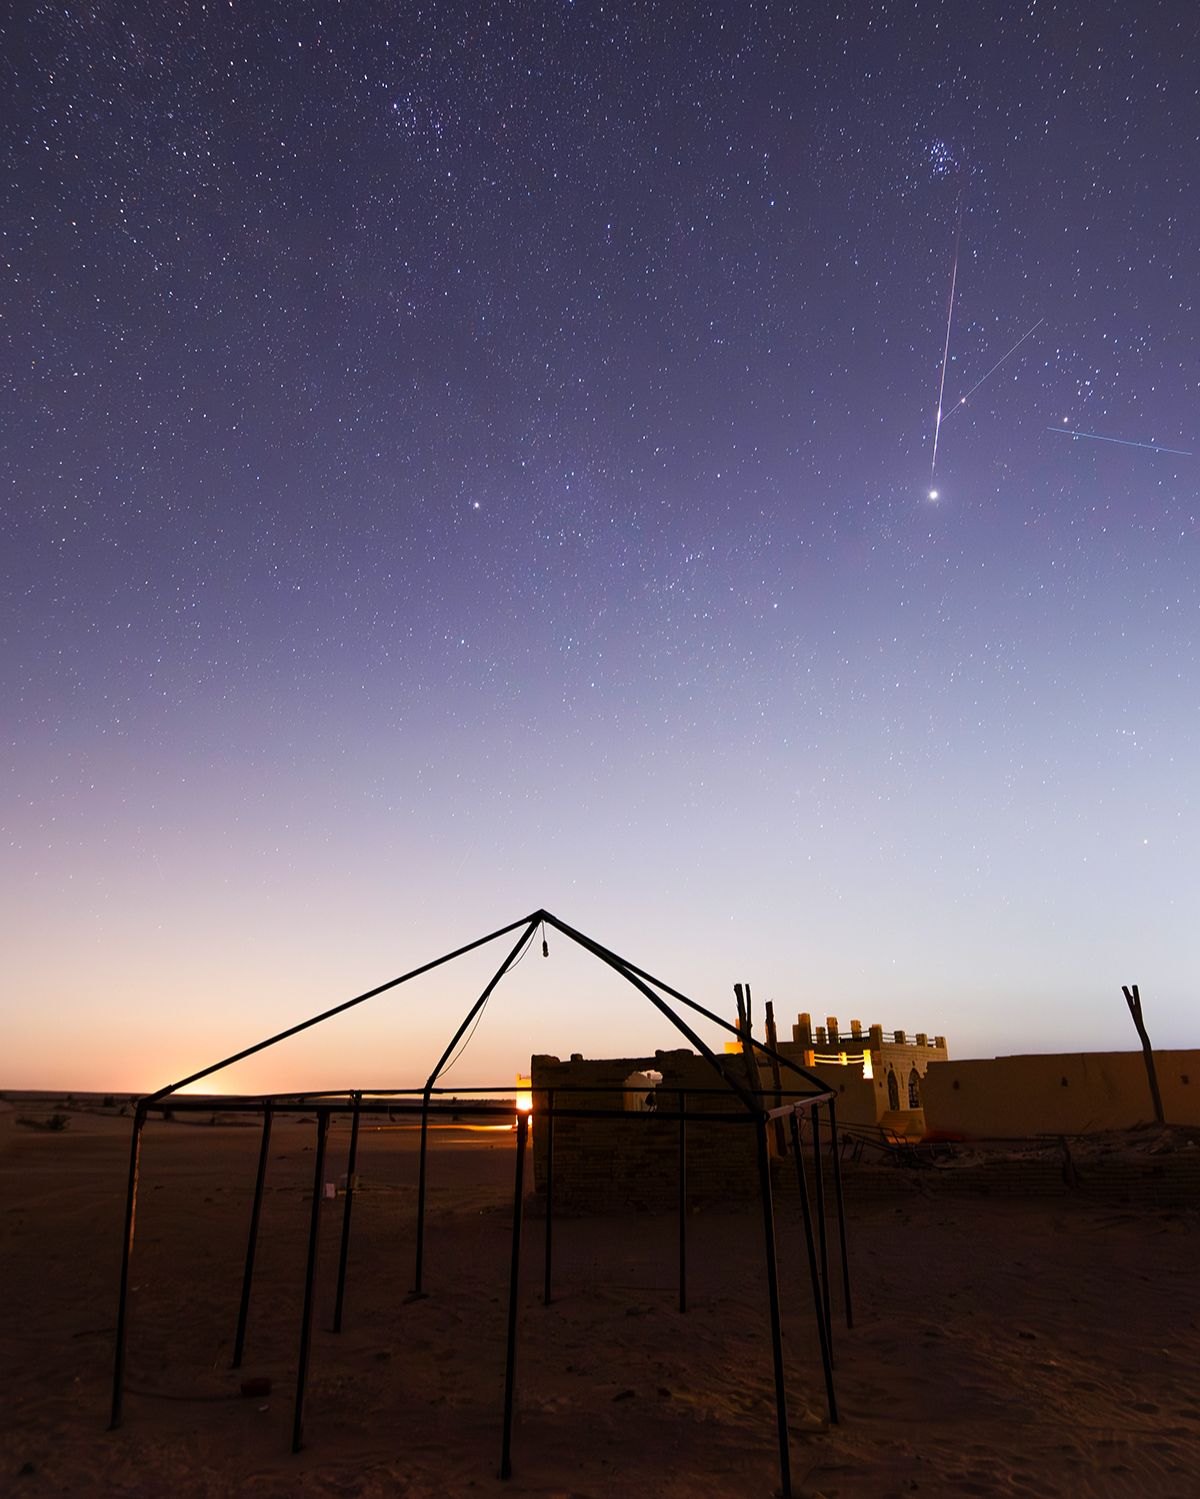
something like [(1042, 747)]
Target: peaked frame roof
[(640, 979)]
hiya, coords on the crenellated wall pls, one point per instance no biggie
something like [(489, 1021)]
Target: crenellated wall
[(895, 1054)]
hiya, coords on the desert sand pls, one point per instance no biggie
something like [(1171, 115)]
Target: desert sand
[(1001, 1347)]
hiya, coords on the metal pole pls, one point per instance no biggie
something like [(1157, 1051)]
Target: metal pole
[(485, 996), (510, 1357), (525, 937), (682, 1204), (347, 1004), (619, 965), (135, 1151), (309, 1274), (344, 1253), (546, 1298), (781, 1419), (239, 1342), (818, 1303), (821, 1236), (417, 1289), (632, 971), (841, 1208)]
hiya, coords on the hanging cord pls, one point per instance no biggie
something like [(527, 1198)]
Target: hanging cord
[(466, 1041)]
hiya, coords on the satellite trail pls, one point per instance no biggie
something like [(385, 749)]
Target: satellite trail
[(1123, 442)]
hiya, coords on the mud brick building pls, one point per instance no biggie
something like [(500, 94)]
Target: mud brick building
[(633, 1161), (879, 1075)]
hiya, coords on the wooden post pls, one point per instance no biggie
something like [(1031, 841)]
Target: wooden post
[(776, 1078), (745, 1025), (1134, 1000)]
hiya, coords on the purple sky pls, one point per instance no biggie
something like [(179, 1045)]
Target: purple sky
[(460, 459)]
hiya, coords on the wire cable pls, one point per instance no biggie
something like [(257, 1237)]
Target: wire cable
[(466, 1041)]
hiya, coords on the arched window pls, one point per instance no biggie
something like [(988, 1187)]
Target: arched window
[(893, 1091), (640, 1097), (914, 1089)]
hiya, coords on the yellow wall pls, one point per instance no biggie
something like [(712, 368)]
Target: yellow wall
[(855, 1094), (1071, 1094)]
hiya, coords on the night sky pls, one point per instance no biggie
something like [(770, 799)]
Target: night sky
[(465, 458)]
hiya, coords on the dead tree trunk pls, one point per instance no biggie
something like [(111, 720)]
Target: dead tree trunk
[(1134, 1000)]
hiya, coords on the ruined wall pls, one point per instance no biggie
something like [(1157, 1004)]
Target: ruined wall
[(1009, 1097), (631, 1160)]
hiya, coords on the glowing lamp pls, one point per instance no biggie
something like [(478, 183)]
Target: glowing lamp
[(524, 1097)]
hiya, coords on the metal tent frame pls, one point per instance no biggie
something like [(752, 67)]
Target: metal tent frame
[(806, 1100)]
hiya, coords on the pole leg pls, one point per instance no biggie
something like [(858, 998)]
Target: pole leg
[(781, 1419), (135, 1153), (546, 1296), (835, 1148), (813, 1272), (510, 1357), (314, 1224), (822, 1239), (344, 1253), (239, 1342), (418, 1289), (682, 1205)]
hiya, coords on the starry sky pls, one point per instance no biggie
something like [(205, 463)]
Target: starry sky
[(463, 458)]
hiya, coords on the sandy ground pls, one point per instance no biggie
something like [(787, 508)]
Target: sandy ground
[(1000, 1347)]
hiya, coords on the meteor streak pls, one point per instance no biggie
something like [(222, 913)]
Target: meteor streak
[(937, 424), (1124, 442), (962, 400)]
